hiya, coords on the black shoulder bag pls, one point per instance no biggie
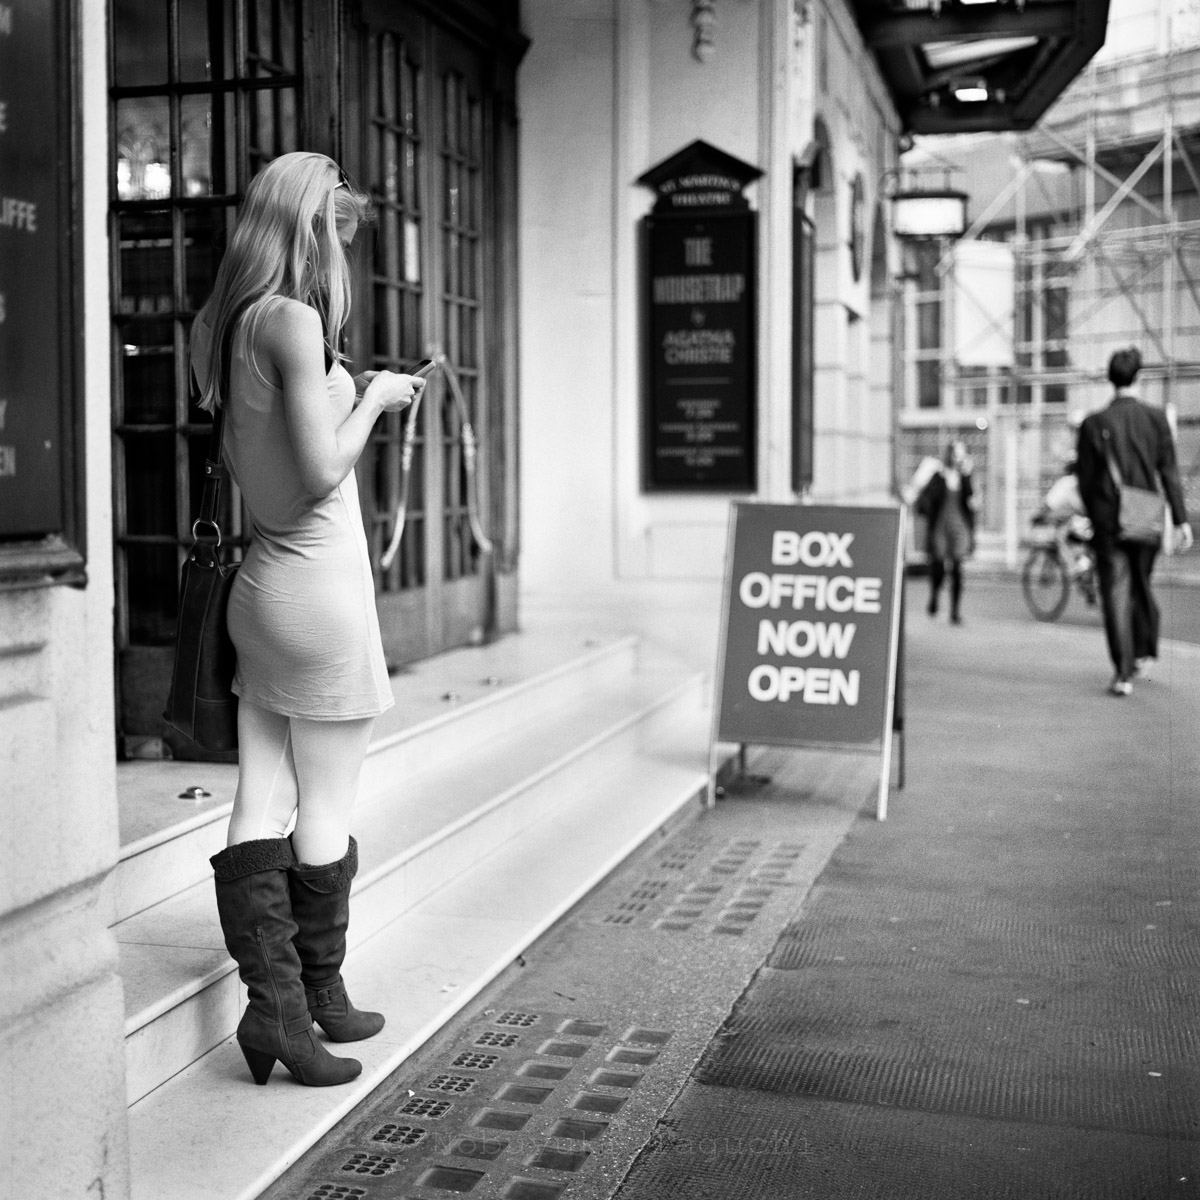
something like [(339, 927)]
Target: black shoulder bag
[(201, 704), (1139, 512)]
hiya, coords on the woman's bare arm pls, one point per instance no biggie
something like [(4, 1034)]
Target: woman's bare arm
[(292, 341)]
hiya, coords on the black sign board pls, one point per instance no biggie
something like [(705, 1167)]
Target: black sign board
[(810, 648), (699, 426), (34, 372)]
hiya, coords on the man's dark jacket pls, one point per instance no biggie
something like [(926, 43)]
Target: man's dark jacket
[(1141, 443)]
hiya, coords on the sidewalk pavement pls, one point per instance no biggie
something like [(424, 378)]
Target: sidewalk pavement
[(1171, 570), (993, 994), (996, 992)]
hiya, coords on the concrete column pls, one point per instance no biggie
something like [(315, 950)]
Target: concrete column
[(62, 1109)]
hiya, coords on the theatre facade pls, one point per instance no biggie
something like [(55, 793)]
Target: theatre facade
[(649, 240)]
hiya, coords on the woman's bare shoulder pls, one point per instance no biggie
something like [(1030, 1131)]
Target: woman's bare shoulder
[(288, 326)]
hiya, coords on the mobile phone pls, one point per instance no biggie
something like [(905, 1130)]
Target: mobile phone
[(423, 368)]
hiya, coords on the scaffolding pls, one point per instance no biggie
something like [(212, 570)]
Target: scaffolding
[(1099, 219)]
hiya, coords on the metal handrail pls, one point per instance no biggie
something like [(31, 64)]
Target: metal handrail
[(470, 446)]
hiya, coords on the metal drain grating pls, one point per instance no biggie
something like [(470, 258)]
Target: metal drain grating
[(363, 1163), (451, 1083), (399, 1135), (522, 1019), (760, 869), (503, 1040), (538, 1117), (474, 1061), (335, 1191), (421, 1106)]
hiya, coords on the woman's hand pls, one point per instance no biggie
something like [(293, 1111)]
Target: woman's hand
[(391, 391)]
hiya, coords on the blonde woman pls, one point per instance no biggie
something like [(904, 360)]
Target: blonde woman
[(311, 677)]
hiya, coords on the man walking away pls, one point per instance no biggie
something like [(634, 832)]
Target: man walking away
[(1135, 439)]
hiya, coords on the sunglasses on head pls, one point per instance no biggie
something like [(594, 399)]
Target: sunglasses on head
[(343, 180)]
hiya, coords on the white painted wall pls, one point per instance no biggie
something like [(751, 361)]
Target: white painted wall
[(566, 98), (608, 89), (62, 1109)]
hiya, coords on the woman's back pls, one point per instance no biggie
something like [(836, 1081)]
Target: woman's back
[(302, 611)]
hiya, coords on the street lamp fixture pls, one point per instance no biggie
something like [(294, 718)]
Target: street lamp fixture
[(929, 213), (970, 91)]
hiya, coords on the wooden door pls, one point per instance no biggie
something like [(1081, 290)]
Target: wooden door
[(421, 138)]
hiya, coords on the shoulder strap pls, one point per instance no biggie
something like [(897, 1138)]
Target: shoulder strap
[(214, 466), (1113, 472)]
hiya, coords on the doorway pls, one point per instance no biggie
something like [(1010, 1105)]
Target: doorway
[(420, 107)]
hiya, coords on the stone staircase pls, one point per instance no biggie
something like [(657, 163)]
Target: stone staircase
[(506, 783)]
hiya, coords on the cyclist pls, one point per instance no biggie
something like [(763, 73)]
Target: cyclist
[(1063, 506)]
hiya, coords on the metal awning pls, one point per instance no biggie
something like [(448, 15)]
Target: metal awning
[(968, 66)]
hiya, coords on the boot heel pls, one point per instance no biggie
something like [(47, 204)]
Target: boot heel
[(259, 1062)]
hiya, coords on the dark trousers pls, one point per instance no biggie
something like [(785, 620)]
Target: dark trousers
[(1131, 616), (937, 576)]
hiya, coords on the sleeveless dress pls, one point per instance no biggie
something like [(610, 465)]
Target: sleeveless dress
[(302, 613)]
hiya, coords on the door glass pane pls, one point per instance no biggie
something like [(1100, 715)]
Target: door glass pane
[(148, 373), (202, 40), (393, 155), (150, 483), (143, 131), (196, 115), (144, 264), (461, 234), (203, 236), (140, 42), (152, 574)]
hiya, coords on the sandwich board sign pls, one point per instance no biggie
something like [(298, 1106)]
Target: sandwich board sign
[(810, 651)]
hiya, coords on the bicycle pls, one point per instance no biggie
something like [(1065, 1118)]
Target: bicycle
[(1052, 564)]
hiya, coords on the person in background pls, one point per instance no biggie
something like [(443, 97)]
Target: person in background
[(946, 503), (1140, 442), (1063, 506), (311, 677)]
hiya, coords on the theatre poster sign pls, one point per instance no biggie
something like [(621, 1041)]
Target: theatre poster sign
[(699, 303)]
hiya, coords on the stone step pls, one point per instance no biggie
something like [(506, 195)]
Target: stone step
[(206, 1132), (462, 697), (182, 993)]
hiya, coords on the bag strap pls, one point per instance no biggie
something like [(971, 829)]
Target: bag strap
[(214, 466), (1113, 472)]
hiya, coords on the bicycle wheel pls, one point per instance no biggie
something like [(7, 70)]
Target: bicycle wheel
[(1046, 584)]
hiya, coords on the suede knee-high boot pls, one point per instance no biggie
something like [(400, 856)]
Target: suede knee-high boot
[(256, 919), (321, 908)]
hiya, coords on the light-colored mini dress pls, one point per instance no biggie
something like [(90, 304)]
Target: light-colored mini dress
[(302, 613)]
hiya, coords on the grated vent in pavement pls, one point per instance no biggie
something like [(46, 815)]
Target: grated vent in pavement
[(550, 1082)]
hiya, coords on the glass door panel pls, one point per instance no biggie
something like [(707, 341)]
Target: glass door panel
[(416, 141)]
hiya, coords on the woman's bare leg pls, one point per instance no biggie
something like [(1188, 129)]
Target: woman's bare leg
[(328, 757), (266, 791)]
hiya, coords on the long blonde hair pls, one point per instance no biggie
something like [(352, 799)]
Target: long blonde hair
[(287, 231)]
